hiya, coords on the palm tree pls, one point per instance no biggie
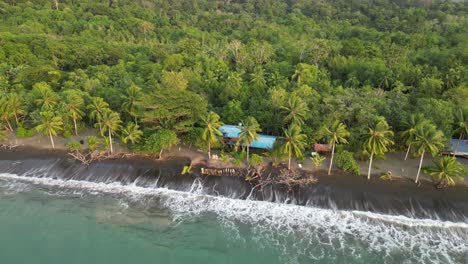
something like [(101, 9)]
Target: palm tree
[(49, 124), (111, 123), (294, 142), (296, 110), (6, 112), (336, 134), (74, 103), (47, 97), (248, 133), (409, 134), (132, 100), (97, 107), (131, 133), (446, 170), (461, 123), (211, 132), (16, 106), (428, 139), (378, 140)]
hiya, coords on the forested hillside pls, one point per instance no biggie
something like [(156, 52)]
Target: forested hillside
[(167, 63)]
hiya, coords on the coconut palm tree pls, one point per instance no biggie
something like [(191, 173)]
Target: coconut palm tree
[(131, 133), (336, 134), (74, 104), (6, 112), (446, 170), (49, 124), (409, 134), (47, 98), (132, 98), (428, 139), (294, 142), (97, 107), (296, 110), (211, 132), (378, 139), (16, 106), (111, 123), (248, 133)]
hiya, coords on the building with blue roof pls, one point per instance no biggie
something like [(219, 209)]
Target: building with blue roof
[(231, 135)]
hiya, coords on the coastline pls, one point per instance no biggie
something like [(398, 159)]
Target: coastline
[(339, 181)]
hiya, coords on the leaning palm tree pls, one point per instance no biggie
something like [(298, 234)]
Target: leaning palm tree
[(131, 133), (446, 170), (6, 113), (110, 123), (295, 110), (16, 104), (378, 139), (49, 124), (211, 132), (97, 107), (248, 133), (336, 134), (409, 134), (428, 139), (294, 142)]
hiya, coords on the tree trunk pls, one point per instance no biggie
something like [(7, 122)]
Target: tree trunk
[(9, 125), (420, 165), (248, 155), (289, 163), (52, 140), (458, 144), (136, 121), (331, 161), (16, 119), (370, 165), (407, 152), (56, 4), (209, 150), (160, 154), (76, 129), (110, 142)]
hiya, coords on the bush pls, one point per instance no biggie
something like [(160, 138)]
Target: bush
[(22, 132), (93, 143), (67, 134), (74, 146), (256, 160), (317, 160), (159, 141), (345, 161)]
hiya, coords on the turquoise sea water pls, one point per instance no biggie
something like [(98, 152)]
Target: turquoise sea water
[(50, 221)]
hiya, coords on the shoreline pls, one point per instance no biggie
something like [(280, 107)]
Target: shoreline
[(400, 187)]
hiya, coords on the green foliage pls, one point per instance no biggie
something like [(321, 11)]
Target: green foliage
[(22, 132), (345, 161), (73, 146), (226, 158), (317, 160), (186, 170), (446, 170), (160, 140), (386, 176), (66, 134), (256, 160), (93, 143), (193, 137)]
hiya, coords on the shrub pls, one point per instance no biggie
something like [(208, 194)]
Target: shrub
[(345, 161), (256, 160), (67, 134), (159, 141), (317, 160), (93, 143), (74, 146), (226, 158), (22, 132)]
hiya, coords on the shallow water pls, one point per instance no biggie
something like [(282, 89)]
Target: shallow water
[(45, 220)]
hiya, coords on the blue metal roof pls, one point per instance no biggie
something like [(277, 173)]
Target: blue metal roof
[(462, 148), (262, 141)]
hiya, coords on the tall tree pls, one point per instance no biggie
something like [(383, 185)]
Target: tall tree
[(336, 134), (133, 97), (16, 105), (46, 98), (428, 139), (248, 134), (49, 124), (446, 170), (97, 107), (111, 123), (295, 110), (294, 142), (378, 139), (409, 134), (461, 126), (211, 131), (74, 103), (6, 113)]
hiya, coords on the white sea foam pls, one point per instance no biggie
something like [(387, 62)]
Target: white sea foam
[(317, 232)]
